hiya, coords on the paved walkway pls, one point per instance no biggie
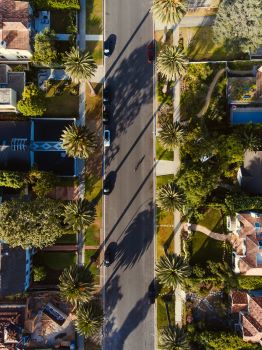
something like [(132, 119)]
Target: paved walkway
[(189, 21), (208, 232), (165, 167), (210, 92), (99, 75)]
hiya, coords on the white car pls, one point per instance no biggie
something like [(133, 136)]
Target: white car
[(106, 138)]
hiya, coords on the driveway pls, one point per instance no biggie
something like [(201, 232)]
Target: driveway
[(129, 209)]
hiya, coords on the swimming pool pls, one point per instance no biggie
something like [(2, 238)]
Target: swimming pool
[(246, 115)]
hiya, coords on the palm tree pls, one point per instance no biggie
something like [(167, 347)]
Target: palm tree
[(171, 270), (76, 284), (251, 141), (171, 62), (80, 67), (79, 215), (169, 12), (78, 141), (171, 133), (89, 319), (169, 197), (173, 338)]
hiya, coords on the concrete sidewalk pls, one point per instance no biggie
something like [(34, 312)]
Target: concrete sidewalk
[(99, 75), (165, 167), (189, 21)]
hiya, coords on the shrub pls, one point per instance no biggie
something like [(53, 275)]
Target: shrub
[(57, 4), (42, 182), (239, 202), (33, 101), (12, 179), (44, 48), (39, 273), (250, 282)]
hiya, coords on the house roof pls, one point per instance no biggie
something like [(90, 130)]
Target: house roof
[(15, 35), (12, 318), (251, 315), (14, 19), (13, 270), (12, 80), (14, 11)]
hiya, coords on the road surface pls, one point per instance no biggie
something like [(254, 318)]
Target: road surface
[(129, 209)]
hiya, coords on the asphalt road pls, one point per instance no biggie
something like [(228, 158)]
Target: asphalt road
[(129, 209)]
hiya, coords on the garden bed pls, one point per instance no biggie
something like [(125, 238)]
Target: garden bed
[(62, 22), (161, 153), (96, 49)]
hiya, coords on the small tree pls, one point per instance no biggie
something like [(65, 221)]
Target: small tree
[(172, 338), (89, 319), (171, 133), (78, 141), (12, 179), (79, 215), (172, 270), (39, 273), (169, 197), (42, 182), (36, 223), (33, 102), (76, 285), (44, 48), (80, 66), (171, 62)]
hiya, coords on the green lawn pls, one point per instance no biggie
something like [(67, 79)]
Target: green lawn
[(60, 100), (92, 235), (96, 49), (161, 153), (204, 248), (199, 44), (214, 219), (60, 21), (93, 267), (94, 17), (162, 319), (54, 263), (163, 179)]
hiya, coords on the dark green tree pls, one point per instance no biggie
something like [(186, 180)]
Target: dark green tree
[(76, 284), (238, 25), (36, 223), (44, 48), (79, 215), (33, 103)]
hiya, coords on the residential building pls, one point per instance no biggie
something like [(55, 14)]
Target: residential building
[(15, 270), (247, 230), (11, 88), (12, 319), (248, 307), (35, 143), (14, 31)]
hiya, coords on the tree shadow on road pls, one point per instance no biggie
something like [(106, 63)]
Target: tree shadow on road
[(134, 241), (116, 338)]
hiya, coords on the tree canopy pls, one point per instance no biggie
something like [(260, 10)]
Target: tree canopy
[(238, 25), (56, 4), (169, 11), (14, 179), (44, 48), (171, 62), (36, 223), (33, 101)]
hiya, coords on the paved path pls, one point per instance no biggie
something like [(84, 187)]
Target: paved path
[(189, 21), (129, 209), (210, 92), (165, 167), (208, 232), (99, 75)]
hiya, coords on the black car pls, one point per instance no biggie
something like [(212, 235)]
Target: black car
[(107, 186), (107, 51), (109, 45), (106, 116), (110, 254), (106, 96)]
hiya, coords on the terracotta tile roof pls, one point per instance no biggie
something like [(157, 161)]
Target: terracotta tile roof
[(16, 35), (239, 301), (14, 11), (14, 18)]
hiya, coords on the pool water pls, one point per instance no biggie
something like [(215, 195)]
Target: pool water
[(246, 115)]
